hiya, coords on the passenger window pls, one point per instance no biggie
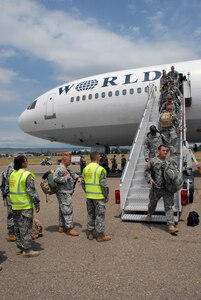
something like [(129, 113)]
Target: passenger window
[(116, 93), (139, 90), (90, 96), (103, 95), (109, 94), (124, 92), (84, 97), (96, 95), (78, 98), (146, 89), (131, 91), (72, 99)]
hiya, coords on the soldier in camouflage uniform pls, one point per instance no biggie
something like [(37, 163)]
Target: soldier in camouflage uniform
[(96, 188), (170, 132), (154, 174), (153, 140), (163, 79), (10, 223), (65, 179), (23, 197), (174, 75)]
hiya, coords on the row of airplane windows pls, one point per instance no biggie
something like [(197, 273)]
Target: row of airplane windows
[(110, 93)]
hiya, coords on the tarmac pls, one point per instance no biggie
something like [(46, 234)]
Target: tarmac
[(142, 261)]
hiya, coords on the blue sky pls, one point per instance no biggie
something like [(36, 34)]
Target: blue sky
[(45, 43)]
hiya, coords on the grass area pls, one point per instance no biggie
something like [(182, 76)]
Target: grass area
[(35, 160)]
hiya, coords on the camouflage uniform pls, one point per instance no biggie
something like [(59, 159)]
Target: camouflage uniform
[(151, 144), (96, 208), (10, 223), (23, 219), (170, 133), (64, 195), (173, 75), (175, 107), (155, 170)]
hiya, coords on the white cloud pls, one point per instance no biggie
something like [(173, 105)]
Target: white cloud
[(77, 48), (156, 22), (9, 96), (7, 76), (8, 118)]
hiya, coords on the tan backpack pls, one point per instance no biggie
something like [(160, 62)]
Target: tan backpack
[(166, 120)]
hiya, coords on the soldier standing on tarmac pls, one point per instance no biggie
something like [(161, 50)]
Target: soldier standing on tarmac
[(97, 192), (65, 178), (23, 198), (5, 192), (154, 174)]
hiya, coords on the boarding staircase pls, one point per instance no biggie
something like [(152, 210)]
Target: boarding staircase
[(134, 189)]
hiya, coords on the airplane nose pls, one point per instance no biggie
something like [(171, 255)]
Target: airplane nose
[(22, 121)]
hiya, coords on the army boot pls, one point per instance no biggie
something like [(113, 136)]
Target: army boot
[(62, 229), (90, 235), (30, 253), (72, 232), (148, 218), (103, 238), (11, 237), (172, 229)]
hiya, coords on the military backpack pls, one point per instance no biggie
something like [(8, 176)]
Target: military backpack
[(166, 120), (172, 176), (48, 185)]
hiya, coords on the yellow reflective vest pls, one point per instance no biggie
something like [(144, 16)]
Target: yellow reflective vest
[(91, 175), (19, 198)]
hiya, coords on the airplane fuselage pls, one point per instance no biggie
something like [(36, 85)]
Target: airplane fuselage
[(105, 109)]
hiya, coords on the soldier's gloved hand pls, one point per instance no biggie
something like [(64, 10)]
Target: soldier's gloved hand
[(37, 209), (106, 199)]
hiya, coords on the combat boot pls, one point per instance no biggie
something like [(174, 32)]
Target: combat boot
[(62, 229), (148, 218), (103, 238), (172, 229), (11, 237), (90, 235), (30, 253), (72, 232)]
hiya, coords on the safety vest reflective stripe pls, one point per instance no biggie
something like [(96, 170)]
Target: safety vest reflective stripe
[(19, 198)]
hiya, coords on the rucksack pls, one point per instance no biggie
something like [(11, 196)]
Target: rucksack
[(193, 218), (172, 176), (48, 185), (166, 120)]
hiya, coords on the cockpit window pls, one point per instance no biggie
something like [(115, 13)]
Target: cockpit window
[(32, 106)]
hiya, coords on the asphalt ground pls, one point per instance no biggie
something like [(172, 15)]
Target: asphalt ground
[(140, 262)]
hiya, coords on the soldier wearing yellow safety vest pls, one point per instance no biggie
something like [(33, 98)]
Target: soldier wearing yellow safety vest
[(23, 197), (96, 188)]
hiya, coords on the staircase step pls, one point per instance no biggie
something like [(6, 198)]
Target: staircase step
[(142, 218)]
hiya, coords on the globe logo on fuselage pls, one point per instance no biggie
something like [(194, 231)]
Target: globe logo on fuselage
[(86, 85)]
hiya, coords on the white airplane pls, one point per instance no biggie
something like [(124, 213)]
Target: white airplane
[(105, 110)]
